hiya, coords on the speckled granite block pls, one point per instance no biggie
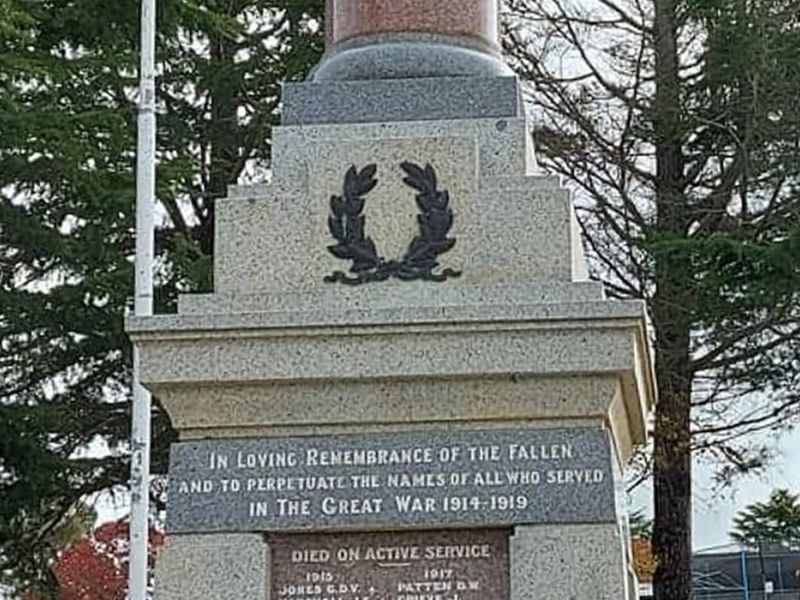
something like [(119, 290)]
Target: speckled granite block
[(510, 227), (502, 236), (345, 355), (247, 347), (322, 407), (568, 562), (388, 100), (393, 297), (213, 567), (505, 146)]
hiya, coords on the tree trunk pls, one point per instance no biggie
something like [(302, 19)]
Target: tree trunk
[(672, 459), (672, 465), (223, 131)]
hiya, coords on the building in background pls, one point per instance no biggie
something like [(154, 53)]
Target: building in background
[(771, 574)]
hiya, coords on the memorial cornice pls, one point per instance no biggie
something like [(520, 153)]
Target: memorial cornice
[(404, 344)]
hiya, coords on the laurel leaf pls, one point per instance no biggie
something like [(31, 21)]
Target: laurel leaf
[(367, 187), (365, 181), (370, 245), (448, 222), (442, 200), (354, 206), (415, 245), (426, 263), (440, 222), (365, 253), (425, 203), (442, 246), (369, 171), (341, 251), (337, 206), (430, 177), (415, 176), (418, 250), (336, 227), (425, 229), (351, 182), (423, 180), (356, 233)]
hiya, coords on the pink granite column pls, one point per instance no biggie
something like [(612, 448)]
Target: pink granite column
[(397, 39), (472, 19)]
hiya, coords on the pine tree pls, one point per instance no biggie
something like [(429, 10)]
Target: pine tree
[(68, 77), (776, 521), (677, 123)]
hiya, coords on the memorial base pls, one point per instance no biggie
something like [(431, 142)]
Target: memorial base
[(550, 562), (569, 562), (213, 567)]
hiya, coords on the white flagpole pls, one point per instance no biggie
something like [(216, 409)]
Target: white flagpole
[(143, 303)]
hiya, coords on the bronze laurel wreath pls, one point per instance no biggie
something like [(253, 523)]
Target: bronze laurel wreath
[(347, 221)]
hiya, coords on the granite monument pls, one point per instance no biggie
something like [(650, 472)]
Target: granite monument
[(404, 385)]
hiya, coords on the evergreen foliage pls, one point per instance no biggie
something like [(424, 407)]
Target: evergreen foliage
[(641, 527), (776, 521), (678, 123), (68, 79)]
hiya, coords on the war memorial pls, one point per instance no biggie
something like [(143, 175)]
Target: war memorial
[(404, 386)]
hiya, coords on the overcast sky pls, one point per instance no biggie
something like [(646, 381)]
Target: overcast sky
[(715, 509)]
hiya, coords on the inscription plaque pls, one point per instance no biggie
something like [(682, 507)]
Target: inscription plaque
[(394, 480), (429, 565)]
